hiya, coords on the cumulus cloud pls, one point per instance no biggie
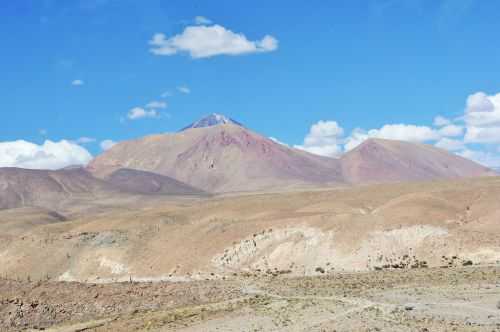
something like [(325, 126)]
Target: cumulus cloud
[(324, 138), (482, 110), (157, 105), (107, 144), (440, 121), (400, 132), (404, 132), (482, 135), (141, 113), (450, 144), (482, 157), (202, 20), (207, 41), (49, 155), (77, 82), (451, 130), (479, 128)]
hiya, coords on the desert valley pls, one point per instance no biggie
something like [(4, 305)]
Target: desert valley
[(218, 228)]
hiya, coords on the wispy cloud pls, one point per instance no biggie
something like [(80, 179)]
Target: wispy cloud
[(137, 113), (166, 94), (157, 105), (85, 140), (202, 20), (77, 83), (184, 89)]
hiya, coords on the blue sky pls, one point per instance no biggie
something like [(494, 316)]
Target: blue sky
[(318, 75)]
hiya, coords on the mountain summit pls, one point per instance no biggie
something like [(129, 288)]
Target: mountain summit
[(213, 119)]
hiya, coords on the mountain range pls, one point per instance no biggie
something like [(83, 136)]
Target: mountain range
[(219, 155), (168, 207)]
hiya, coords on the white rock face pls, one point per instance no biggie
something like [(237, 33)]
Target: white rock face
[(308, 251)]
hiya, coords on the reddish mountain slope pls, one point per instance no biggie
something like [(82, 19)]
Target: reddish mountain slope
[(378, 160), (220, 158)]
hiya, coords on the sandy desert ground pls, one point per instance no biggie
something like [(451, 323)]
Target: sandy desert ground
[(387, 257), (436, 299)]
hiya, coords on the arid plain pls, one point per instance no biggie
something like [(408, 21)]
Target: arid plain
[(392, 257)]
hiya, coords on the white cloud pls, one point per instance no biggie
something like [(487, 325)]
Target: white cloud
[(275, 140), (157, 104), (451, 130), (450, 144), (486, 135), (49, 155), (479, 102), (440, 121), (140, 113), (107, 144), (202, 20), (480, 125), (207, 41), (184, 89), (400, 132), (77, 83), (357, 137), (482, 110), (404, 132), (324, 138), (482, 157), (482, 118), (85, 140)]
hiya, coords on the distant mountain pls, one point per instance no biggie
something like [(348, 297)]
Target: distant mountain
[(380, 160), (52, 189), (212, 120), (220, 158), (217, 154), (24, 187), (149, 183)]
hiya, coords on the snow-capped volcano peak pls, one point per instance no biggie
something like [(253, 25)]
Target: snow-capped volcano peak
[(213, 119)]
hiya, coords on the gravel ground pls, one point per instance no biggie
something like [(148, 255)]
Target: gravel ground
[(441, 299)]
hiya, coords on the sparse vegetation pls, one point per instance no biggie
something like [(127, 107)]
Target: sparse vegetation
[(320, 269)]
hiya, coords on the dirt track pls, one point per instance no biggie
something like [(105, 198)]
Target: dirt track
[(441, 299)]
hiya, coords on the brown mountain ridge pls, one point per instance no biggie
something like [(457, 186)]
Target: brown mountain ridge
[(224, 156)]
